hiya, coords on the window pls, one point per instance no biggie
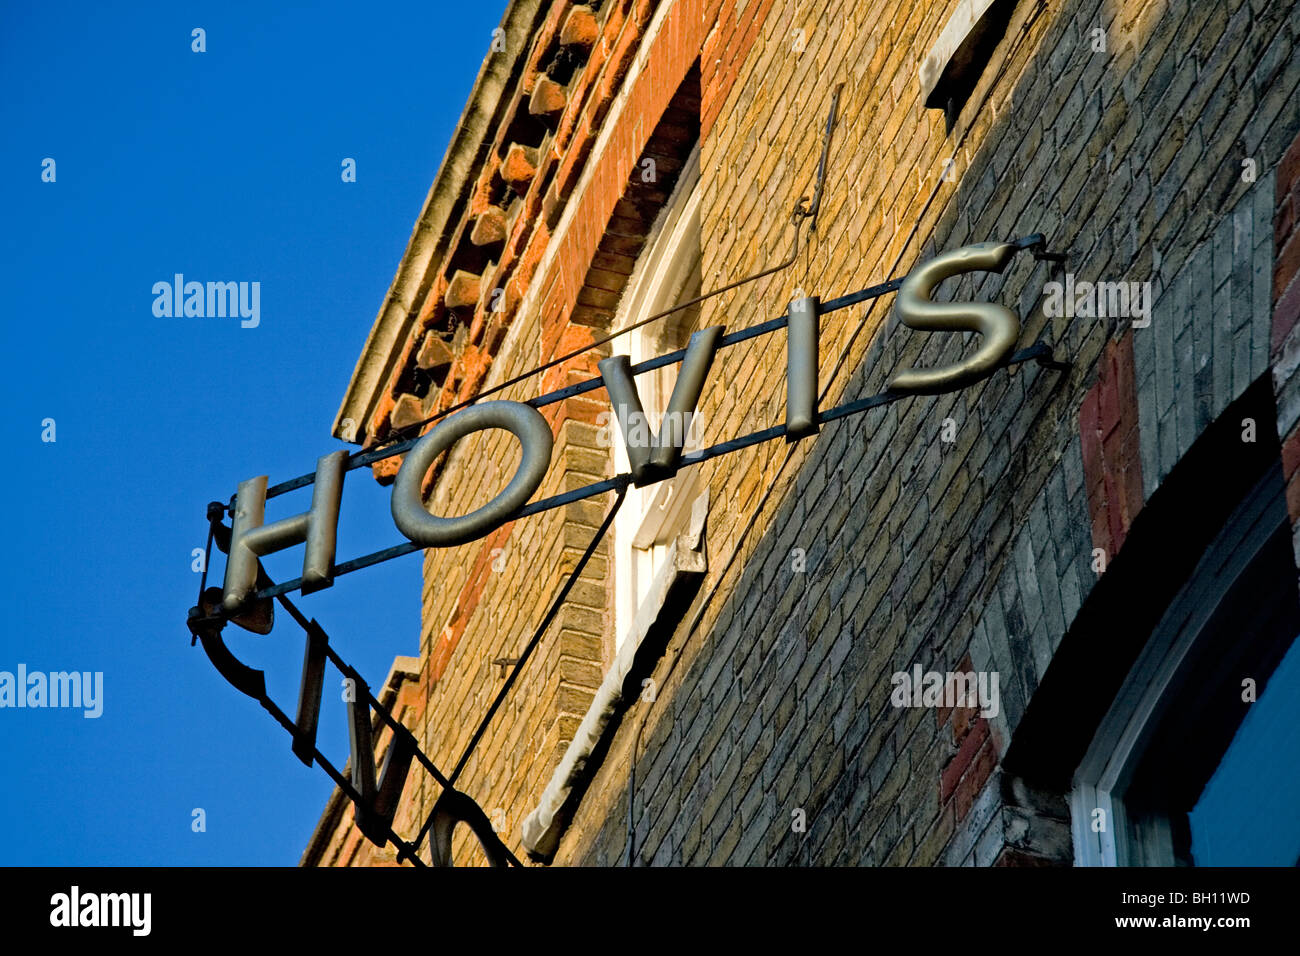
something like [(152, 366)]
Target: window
[(667, 273), (953, 66), (1186, 769)]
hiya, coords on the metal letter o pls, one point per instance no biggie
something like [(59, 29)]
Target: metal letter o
[(430, 531)]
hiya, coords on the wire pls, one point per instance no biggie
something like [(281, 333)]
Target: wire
[(803, 209), (402, 433), (541, 630)]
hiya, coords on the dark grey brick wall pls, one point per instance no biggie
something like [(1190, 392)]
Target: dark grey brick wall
[(975, 553)]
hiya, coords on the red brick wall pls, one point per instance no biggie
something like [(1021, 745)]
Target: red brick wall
[(1112, 460), (970, 768), (1286, 304), (688, 33)]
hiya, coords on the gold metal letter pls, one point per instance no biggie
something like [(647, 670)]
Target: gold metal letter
[(999, 326)]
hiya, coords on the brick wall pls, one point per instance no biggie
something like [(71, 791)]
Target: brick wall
[(920, 551), (584, 217), (774, 693)]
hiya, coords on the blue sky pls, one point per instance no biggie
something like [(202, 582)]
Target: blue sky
[(224, 166)]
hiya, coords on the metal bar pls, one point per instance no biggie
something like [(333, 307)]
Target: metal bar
[(618, 482), (398, 727), (524, 376), (347, 670), (373, 803), (347, 567), (523, 658), (797, 215), (405, 850), (296, 614), (810, 212), (207, 556), (365, 458)]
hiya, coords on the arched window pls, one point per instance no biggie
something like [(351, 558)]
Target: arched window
[(1164, 726), (1197, 761)]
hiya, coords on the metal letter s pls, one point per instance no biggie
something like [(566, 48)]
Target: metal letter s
[(999, 326)]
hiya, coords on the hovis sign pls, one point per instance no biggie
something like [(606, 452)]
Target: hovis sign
[(651, 457), (246, 597)]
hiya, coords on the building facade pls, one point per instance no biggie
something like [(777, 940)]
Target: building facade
[(1040, 619)]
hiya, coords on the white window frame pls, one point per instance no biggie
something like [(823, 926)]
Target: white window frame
[(658, 533), (650, 519)]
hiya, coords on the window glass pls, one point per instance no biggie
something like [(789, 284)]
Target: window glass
[(1249, 812)]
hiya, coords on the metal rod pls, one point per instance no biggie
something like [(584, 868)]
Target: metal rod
[(309, 751), (815, 206), (1034, 353), (797, 215), (405, 850), (519, 662), (365, 458), (347, 670), (395, 445)]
